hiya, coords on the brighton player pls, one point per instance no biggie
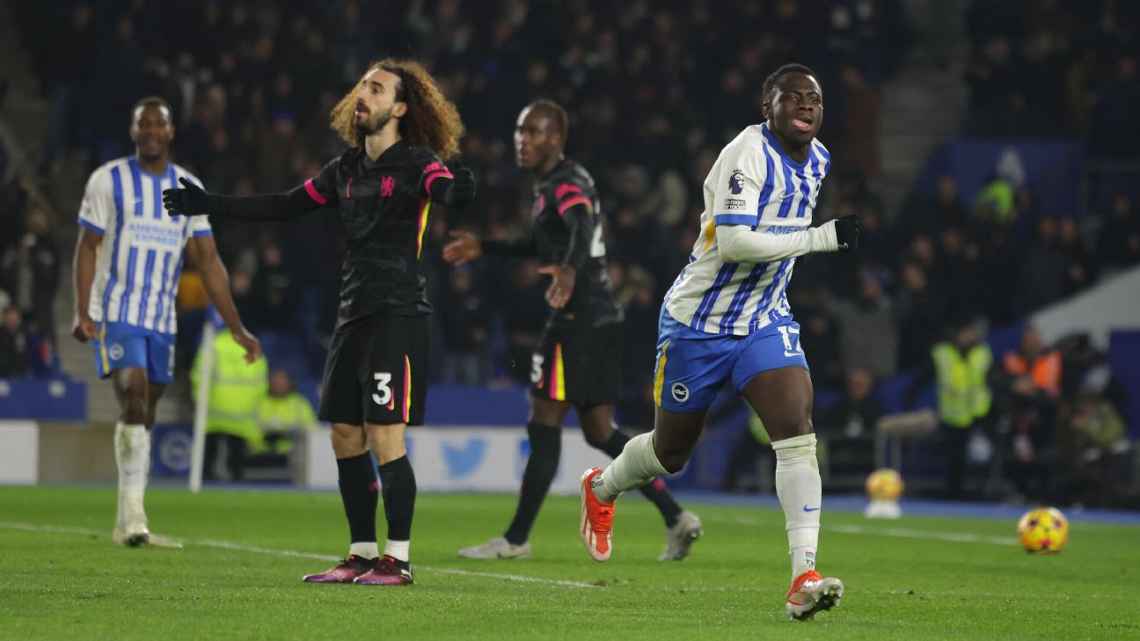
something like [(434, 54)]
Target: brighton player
[(727, 317), (127, 262)]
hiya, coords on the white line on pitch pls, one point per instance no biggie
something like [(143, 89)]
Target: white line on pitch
[(902, 533), (907, 533), (241, 547)]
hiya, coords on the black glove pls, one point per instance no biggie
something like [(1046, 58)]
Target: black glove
[(462, 190), (192, 200), (847, 232)]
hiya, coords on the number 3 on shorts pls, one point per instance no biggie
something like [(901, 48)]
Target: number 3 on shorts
[(536, 362), (383, 394)]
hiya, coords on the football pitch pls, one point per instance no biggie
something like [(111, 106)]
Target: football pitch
[(238, 576)]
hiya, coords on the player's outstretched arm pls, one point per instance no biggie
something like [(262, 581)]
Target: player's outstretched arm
[(742, 244), (454, 190), (216, 279), (192, 200)]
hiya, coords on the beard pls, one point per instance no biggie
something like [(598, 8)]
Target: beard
[(367, 128)]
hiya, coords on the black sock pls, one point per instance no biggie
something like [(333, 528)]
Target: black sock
[(654, 490), (398, 483), (358, 493), (541, 466)]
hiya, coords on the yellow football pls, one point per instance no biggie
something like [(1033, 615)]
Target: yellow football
[(1043, 530), (884, 485)]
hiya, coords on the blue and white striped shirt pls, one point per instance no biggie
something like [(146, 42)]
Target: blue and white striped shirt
[(140, 259), (754, 184)]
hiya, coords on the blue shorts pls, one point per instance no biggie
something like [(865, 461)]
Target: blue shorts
[(123, 346), (692, 366)]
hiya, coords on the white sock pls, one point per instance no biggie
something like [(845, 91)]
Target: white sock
[(132, 456), (635, 466), (398, 550), (801, 495), (366, 550)]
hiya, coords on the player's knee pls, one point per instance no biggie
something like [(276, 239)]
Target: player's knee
[(598, 439), (790, 427), (672, 458), (135, 410), (347, 440), (547, 412), (387, 442)]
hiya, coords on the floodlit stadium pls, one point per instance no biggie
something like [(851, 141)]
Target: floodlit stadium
[(531, 319)]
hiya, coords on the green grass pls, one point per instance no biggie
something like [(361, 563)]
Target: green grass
[(74, 584)]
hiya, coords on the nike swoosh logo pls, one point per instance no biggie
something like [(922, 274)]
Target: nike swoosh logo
[(810, 509)]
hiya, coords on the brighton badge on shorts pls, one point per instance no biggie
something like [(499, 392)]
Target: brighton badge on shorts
[(115, 351), (680, 392)]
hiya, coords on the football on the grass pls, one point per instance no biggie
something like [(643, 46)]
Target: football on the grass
[(1043, 531), (884, 485)]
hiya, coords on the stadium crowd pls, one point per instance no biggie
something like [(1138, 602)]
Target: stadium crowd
[(654, 90)]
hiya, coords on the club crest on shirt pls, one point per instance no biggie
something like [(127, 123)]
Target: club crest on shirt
[(539, 205), (736, 181), (387, 186)]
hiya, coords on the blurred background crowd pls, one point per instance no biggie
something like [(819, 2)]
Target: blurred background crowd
[(654, 89)]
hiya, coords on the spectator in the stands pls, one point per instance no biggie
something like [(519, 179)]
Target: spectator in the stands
[(943, 210), (638, 296), (465, 330), (961, 368), (524, 318), (959, 271), (13, 344), (996, 203), (857, 411), (868, 337), (1114, 129), (1119, 244), (30, 273), (1080, 270), (1044, 275), (283, 415), (861, 126), (1095, 451), (272, 305), (235, 390), (848, 426), (920, 316), (819, 334), (1032, 380)]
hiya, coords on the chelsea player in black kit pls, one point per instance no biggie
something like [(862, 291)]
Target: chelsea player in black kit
[(400, 128), (577, 363)]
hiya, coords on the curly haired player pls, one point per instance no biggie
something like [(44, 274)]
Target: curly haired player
[(400, 128)]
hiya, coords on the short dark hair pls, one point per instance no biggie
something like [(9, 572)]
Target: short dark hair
[(555, 112), (775, 76), (152, 101)]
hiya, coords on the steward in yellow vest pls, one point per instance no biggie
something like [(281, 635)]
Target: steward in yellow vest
[(283, 413), (236, 387)]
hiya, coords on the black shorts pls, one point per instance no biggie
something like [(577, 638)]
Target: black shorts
[(581, 365), (376, 371)]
